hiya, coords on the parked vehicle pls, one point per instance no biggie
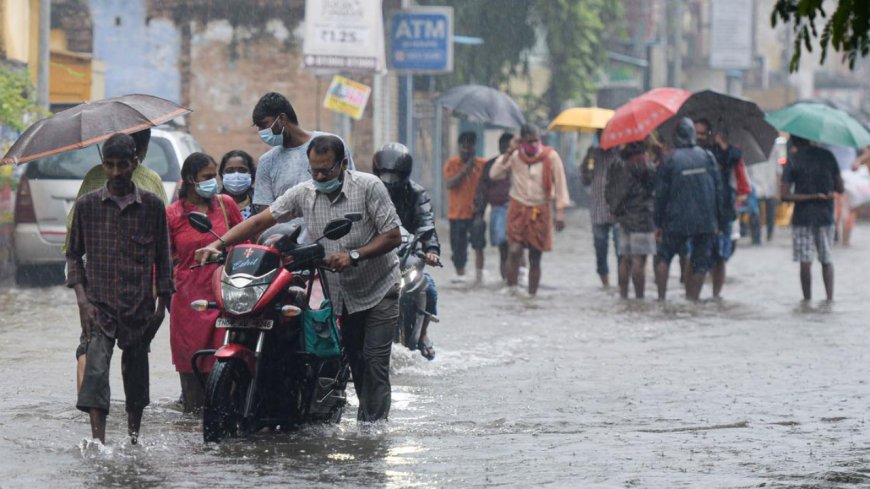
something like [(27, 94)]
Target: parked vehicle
[(412, 290), (282, 363), (48, 187)]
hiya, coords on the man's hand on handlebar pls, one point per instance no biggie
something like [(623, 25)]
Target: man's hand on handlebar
[(432, 259), (210, 252), (337, 262)]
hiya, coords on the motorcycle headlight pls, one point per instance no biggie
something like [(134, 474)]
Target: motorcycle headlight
[(241, 300)]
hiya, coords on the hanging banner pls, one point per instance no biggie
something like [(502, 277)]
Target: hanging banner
[(731, 26), (347, 97), (344, 35)]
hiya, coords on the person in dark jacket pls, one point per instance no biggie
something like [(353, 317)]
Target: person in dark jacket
[(735, 190), (688, 209), (392, 163), (629, 194)]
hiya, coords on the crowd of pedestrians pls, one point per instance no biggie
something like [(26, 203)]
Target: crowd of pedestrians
[(679, 198)]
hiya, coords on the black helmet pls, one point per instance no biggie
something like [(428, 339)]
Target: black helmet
[(392, 164)]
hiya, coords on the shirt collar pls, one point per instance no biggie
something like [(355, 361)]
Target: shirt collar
[(105, 195)]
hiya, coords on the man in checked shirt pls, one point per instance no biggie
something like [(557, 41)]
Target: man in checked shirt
[(123, 232)]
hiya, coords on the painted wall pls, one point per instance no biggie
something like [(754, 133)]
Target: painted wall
[(139, 57)]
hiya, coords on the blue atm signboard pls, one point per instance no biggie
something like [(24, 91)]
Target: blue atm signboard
[(421, 40)]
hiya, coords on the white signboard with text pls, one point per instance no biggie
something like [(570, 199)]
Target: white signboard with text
[(731, 23), (344, 35)]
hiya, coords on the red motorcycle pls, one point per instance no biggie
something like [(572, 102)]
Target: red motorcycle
[(282, 363)]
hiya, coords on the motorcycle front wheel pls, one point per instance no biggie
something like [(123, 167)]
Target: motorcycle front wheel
[(224, 404)]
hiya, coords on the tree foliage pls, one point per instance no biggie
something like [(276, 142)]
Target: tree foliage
[(576, 40), (16, 98), (574, 32), (847, 31)]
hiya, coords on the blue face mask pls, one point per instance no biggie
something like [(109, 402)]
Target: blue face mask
[(328, 186), (271, 138), (208, 188), (237, 183)]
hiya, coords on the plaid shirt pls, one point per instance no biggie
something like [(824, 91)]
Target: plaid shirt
[(361, 287), (126, 242), (598, 209)]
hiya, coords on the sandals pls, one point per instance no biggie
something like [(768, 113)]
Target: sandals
[(427, 350)]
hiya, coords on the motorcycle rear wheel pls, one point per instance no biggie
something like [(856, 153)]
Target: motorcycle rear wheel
[(224, 405)]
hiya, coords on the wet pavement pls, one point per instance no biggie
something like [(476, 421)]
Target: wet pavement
[(575, 389)]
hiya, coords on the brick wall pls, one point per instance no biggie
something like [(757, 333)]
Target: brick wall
[(230, 68)]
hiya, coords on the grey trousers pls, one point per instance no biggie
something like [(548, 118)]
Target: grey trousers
[(368, 340)]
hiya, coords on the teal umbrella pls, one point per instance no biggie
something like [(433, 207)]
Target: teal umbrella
[(819, 122)]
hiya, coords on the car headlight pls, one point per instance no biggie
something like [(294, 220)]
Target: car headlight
[(241, 300)]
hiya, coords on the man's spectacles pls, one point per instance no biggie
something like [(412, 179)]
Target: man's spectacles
[(326, 172)]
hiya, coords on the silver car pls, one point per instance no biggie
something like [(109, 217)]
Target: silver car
[(48, 188)]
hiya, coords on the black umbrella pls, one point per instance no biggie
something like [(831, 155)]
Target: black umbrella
[(90, 123), (741, 119), (483, 104)]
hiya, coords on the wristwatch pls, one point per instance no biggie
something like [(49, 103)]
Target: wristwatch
[(354, 257)]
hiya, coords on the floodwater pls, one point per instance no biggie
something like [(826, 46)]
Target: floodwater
[(574, 389)]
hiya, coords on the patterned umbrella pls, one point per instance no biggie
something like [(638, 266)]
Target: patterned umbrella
[(90, 123), (640, 115)]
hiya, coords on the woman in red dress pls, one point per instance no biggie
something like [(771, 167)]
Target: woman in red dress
[(190, 331)]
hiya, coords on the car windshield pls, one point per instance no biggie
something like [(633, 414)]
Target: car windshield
[(76, 164)]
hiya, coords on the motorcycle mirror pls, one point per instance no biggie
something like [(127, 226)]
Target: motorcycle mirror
[(337, 229), (202, 223), (354, 216), (199, 221)]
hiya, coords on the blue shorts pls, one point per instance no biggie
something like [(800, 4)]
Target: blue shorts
[(724, 247), (498, 224), (699, 248)]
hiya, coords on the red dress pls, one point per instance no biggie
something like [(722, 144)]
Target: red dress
[(189, 330)]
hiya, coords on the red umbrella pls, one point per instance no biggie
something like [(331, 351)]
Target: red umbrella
[(640, 115)]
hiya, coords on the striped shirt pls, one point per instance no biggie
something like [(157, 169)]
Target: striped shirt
[(361, 287), (598, 209)]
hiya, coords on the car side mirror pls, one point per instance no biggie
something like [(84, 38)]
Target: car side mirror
[(199, 222), (354, 216), (337, 229)]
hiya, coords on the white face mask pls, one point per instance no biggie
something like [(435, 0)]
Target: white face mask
[(271, 138), (237, 183)]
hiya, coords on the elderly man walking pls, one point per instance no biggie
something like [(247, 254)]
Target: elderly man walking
[(537, 179)]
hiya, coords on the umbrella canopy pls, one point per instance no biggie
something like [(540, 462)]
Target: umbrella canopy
[(90, 123), (483, 104), (640, 115), (586, 119), (742, 121), (820, 122)]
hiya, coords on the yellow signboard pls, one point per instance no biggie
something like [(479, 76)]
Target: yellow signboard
[(347, 97)]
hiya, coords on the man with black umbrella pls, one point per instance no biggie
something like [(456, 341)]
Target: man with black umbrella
[(735, 189)]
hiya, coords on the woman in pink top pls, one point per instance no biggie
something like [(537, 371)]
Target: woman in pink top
[(190, 331)]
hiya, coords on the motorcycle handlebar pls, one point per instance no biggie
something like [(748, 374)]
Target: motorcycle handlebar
[(219, 260)]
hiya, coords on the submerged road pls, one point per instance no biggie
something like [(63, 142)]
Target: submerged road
[(574, 389)]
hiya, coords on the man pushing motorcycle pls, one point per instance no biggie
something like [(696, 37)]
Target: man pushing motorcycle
[(392, 163), (366, 273)]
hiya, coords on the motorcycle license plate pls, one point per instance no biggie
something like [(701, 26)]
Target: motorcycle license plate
[(244, 323)]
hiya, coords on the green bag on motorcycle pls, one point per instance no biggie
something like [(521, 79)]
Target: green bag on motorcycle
[(319, 331)]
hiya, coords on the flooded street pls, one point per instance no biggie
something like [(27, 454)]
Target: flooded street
[(574, 389)]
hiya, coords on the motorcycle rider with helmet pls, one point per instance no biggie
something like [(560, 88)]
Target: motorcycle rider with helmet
[(392, 163)]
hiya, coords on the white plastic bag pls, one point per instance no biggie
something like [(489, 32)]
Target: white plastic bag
[(857, 185)]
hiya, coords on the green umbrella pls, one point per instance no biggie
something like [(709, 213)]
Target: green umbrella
[(819, 122)]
